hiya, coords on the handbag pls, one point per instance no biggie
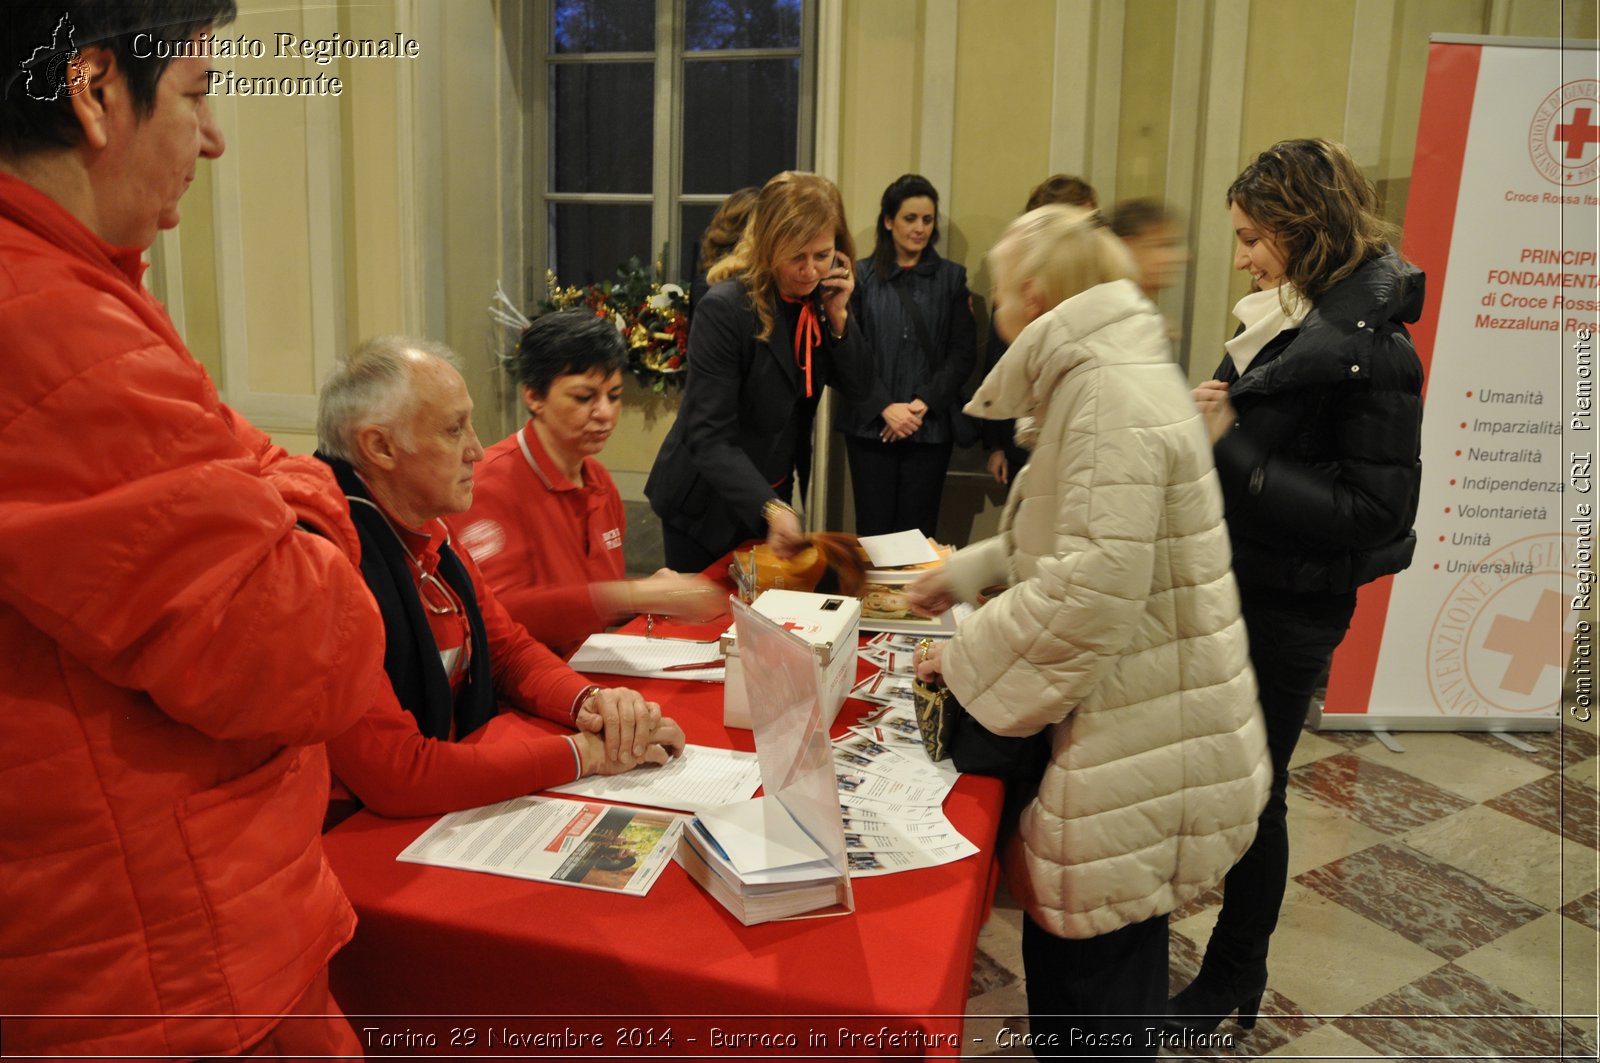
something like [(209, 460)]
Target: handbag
[(948, 730)]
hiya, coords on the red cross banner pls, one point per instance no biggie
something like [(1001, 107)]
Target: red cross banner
[(1501, 214)]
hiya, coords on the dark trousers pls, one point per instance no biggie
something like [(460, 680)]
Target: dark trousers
[(1096, 998), (1292, 638), (897, 485), (685, 553)]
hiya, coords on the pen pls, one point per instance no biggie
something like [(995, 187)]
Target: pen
[(715, 662)]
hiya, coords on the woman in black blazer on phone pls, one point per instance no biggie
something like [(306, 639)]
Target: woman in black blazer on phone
[(773, 330)]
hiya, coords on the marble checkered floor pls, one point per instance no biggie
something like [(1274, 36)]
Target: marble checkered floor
[(1442, 902)]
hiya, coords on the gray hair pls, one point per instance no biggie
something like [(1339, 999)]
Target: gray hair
[(373, 386)]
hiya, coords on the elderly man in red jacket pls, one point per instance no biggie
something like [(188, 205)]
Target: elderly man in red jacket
[(181, 620), (395, 422)]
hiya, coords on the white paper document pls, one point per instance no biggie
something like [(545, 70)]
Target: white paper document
[(699, 778), (761, 836), (635, 655), (548, 839), (898, 548)]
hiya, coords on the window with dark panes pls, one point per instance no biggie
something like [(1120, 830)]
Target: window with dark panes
[(657, 110)]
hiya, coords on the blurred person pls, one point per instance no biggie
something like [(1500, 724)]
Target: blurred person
[(773, 330), (916, 313), (394, 421), (182, 621), (1119, 634), (1006, 455), (1315, 414), (546, 523), (1153, 235), (720, 238)]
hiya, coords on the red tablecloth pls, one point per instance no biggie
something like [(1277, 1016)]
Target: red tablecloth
[(449, 955)]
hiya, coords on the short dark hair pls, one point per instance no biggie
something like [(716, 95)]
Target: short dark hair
[(35, 104), (1133, 216), (1062, 188), (565, 342), (902, 188)]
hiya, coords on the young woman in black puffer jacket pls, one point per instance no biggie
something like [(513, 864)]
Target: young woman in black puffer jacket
[(1316, 418)]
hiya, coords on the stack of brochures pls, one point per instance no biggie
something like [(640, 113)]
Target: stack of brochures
[(894, 562), (783, 854), (755, 859)]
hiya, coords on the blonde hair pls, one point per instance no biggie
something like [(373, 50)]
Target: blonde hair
[(791, 210), (1063, 250)]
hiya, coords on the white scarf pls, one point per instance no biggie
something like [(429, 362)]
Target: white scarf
[(1263, 316)]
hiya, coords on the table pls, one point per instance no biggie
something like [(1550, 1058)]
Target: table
[(488, 965)]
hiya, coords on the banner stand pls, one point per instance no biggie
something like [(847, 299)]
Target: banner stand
[(1503, 217)]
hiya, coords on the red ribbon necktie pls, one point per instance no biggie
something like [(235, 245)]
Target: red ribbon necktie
[(807, 335)]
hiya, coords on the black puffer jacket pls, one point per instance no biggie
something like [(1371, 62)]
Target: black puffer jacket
[(1322, 469)]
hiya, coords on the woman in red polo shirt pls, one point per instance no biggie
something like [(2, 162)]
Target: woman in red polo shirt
[(546, 522)]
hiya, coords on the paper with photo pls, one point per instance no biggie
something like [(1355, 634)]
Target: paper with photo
[(885, 688), (853, 803), (885, 788), (865, 863), (551, 839)]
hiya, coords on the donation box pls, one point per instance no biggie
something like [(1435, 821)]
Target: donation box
[(829, 622)]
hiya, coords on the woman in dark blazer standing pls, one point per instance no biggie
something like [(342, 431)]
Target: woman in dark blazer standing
[(917, 314), (773, 330)]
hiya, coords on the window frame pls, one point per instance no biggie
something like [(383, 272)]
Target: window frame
[(666, 197)]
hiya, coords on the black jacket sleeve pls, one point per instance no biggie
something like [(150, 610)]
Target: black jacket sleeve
[(960, 353)]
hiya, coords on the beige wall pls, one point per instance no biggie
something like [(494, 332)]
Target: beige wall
[(396, 207)]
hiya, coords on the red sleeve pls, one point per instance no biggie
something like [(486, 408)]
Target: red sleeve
[(145, 531), (559, 617), (396, 771), (526, 674), (306, 485)]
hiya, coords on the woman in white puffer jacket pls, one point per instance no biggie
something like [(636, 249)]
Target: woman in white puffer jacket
[(1119, 631)]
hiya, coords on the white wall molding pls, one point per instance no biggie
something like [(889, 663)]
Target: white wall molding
[(226, 196), (1106, 103), (1071, 106), (1367, 99), (324, 216), (166, 263), (830, 88), (324, 266), (936, 138), (419, 133), (1187, 112), (829, 120), (1222, 83)]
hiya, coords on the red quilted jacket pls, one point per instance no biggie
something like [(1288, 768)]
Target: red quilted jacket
[(173, 650)]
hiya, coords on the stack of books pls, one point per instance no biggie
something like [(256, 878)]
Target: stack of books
[(757, 862), (782, 854)]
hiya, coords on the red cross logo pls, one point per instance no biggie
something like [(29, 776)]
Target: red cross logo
[(1533, 644), (1578, 134)]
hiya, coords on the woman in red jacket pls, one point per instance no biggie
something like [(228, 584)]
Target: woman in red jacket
[(546, 522)]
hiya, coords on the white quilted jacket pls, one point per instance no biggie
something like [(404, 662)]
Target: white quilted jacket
[(1120, 626)]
